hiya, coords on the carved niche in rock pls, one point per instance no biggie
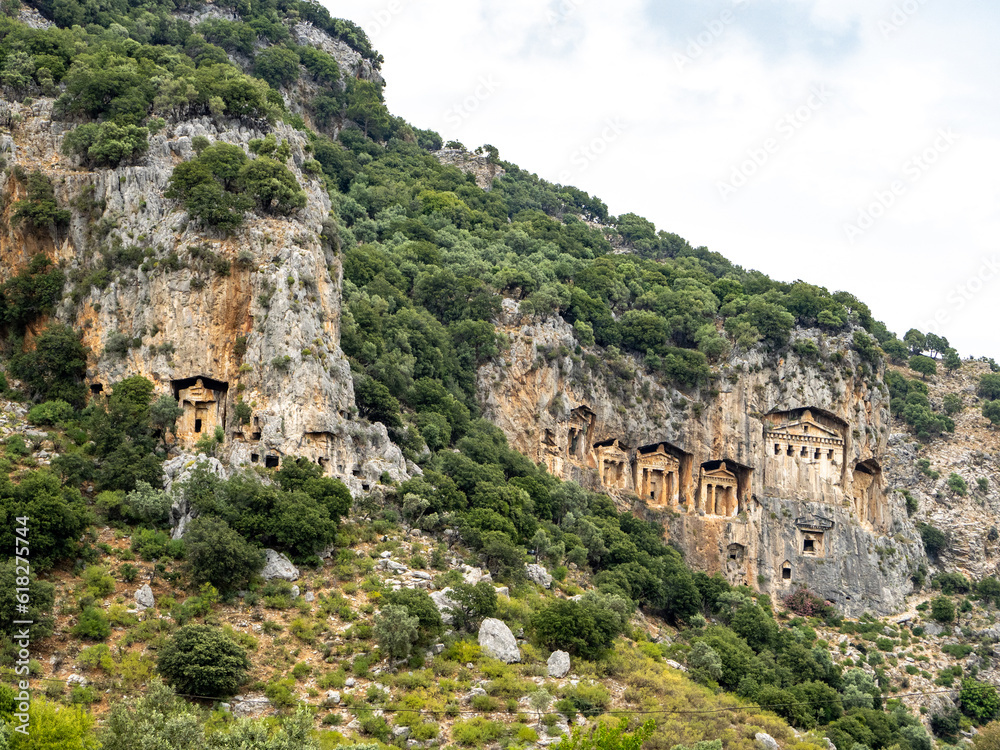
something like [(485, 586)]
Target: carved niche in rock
[(613, 465), (868, 496), (717, 490), (804, 455), (657, 477), (203, 403), (812, 535), (571, 446)]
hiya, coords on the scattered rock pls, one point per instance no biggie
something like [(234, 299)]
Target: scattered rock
[(386, 555), (295, 591), (538, 574), (310, 596), (437, 648), (472, 575), (76, 679), (333, 698), (444, 604), (497, 641), (932, 628), (144, 597), (674, 665), (350, 682), (278, 566), (559, 664), (249, 706), (503, 591), (766, 741), (400, 732), (421, 575)]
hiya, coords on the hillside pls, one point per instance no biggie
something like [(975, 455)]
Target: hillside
[(324, 421)]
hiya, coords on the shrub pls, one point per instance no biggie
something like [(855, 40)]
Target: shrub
[(99, 584), (218, 554), (991, 410), (586, 627), (979, 701), (106, 144), (953, 404), (989, 386), (54, 370), (50, 413), (41, 595), (957, 485), (419, 604), (396, 631), (943, 609), (92, 624), (205, 661), (474, 604), (39, 209), (935, 541)]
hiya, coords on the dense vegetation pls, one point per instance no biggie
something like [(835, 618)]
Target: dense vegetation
[(428, 258)]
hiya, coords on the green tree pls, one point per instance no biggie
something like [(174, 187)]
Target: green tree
[(204, 661), (473, 603), (163, 416), (943, 609), (106, 144), (587, 627), (704, 663), (157, 719), (419, 604), (55, 368), (279, 66), (272, 186), (924, 365), (366, 108), (989, 386), (916, 341), (58, 516), (39, 209), (953, 403), (952, 361), (396, 631), (991, 410), (979, 700), (218, 554)]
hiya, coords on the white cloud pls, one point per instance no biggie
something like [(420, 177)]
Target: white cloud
[(559, 80)]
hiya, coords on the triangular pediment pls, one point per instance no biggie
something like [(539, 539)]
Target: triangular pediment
[(804, 428), (720, 473)]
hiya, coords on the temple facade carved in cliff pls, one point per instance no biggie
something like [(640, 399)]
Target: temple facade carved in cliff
[(203, 403)]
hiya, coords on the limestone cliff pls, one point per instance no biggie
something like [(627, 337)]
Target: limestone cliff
[(967, 517), (772, 478), (210, 319)]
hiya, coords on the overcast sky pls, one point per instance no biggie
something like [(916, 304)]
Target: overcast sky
[(853, 144)]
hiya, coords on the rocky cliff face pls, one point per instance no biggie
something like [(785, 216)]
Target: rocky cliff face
[(212, 320), (773, 479), (967, 517)]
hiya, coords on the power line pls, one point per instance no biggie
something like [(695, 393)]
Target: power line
[(616, 712)]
